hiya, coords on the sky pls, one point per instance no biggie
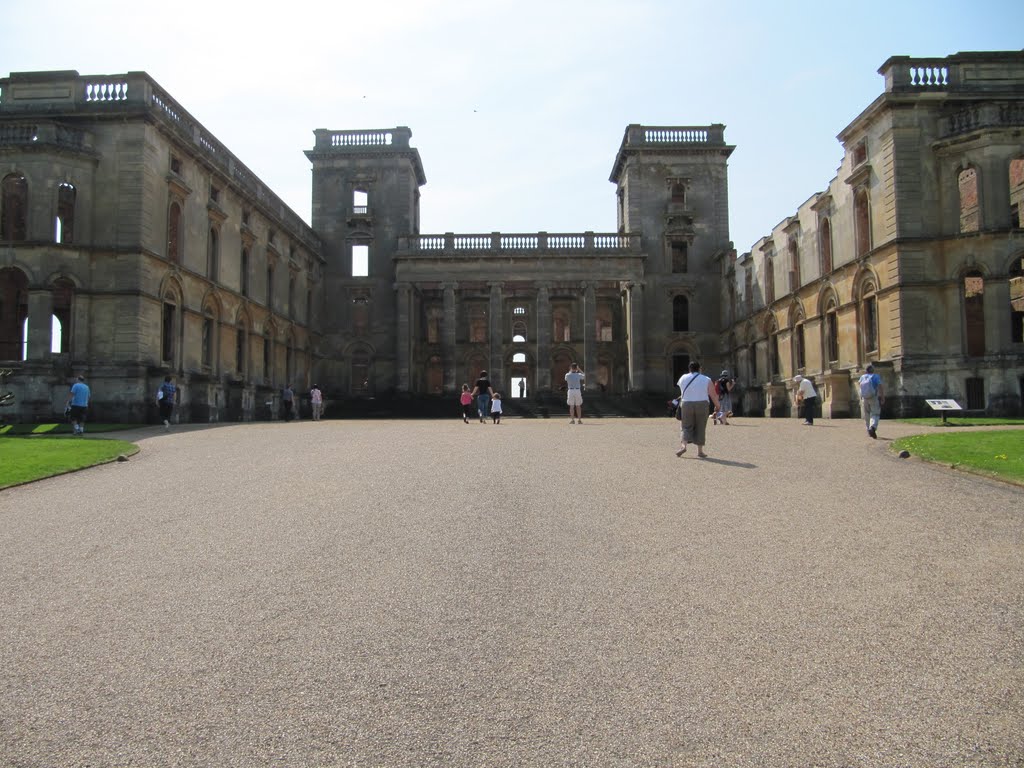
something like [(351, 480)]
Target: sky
[(517, 108)]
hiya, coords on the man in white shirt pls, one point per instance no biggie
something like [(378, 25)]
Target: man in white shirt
[(697, 391), (574, 394), (806, 398)]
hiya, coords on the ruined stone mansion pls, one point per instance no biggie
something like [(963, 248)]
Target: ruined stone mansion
[(134, 244)]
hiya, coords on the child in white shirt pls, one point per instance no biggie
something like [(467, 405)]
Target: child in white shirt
[(496, 408)]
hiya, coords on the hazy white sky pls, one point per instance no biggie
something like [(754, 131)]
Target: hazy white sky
[(517, 108)]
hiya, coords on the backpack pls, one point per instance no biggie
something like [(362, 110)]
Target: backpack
[(868, 385)]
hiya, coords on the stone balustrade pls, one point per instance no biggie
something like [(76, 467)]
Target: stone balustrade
[(133, 93), (372, 139), (988, 71), (515, 244)]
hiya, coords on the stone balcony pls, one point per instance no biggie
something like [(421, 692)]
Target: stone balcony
[(500, 244)]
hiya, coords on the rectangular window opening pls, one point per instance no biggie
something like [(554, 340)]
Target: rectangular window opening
[(360, 261)]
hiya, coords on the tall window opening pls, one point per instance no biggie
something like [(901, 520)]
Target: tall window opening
[(794, 265), (360, 373), (291, 296), (1016, 192), (862, 222), (680, 256), (63, 294), (825, 246), (680, 314), (832, 333), (1017, 318), (268, 370), (799, 349), (360, 261), (167, 331), (478, 326), (970, 211), (174, 232), (270, 287), (434, 316), (13, 313), (360, 315), (869, 320), (974, 313), (212, 254), (65, 224), (240, 347), (975, 391), (603, 323), (360, 201), (14, 207), (208, 331), (243, 277), (769, 280), (562, 326)]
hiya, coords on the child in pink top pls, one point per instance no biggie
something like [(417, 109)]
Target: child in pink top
[(466, 400)]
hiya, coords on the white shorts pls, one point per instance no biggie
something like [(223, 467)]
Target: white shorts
[(575, 397)]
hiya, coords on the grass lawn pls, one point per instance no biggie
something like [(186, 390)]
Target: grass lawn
[(31, 458), (993, 453), (965, 421), (61, 428)]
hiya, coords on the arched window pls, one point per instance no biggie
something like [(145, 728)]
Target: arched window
[(974, 313), (680, 314), (794, 265), (825, 246), (14, 207), (519, 331), (169, 330), (862, 221), (13, 313), (519, 357), (970, 210), (65, 224), (832, 332), (869, 321), (174, 232), (63, 296)]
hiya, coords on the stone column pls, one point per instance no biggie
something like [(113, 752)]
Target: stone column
[(589, 326), (448, 328), (543, 374), (40, 323), (404, 336), (994, 194), (637, 357), (496, 337)]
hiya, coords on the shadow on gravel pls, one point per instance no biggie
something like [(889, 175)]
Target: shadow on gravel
[(726, 462)]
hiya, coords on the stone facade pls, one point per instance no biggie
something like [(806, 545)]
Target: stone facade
[(127, 226), (905, 260)]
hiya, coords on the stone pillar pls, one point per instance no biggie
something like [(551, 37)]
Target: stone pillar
[(637, 358), (543, 374), (40, 324), (448, 327), (404, 336), (496, 373), (589, 326)]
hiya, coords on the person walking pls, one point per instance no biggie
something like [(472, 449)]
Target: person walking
[(316, 400), (78, 404), (466, 401), (872, 397), (483, 393), (574, 393), (496, 408), (724, 387), (697, 391), (288, 401), (806, 398), (166, 398)]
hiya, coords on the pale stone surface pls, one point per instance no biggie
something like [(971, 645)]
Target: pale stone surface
[(534, 593)]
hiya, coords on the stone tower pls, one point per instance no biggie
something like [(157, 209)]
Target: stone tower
[(672, 188), (365, 195)]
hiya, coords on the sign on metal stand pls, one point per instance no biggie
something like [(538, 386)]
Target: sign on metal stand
[(944, 406)]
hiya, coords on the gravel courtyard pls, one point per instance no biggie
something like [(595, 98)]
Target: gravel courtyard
[(426, 593)]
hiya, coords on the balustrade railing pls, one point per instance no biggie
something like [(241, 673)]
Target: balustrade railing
[(540, 243)]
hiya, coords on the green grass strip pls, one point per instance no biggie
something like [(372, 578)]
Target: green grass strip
[(64, 428), (25, 459), (993, 453)]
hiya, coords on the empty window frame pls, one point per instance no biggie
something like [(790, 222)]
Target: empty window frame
[(680, 314), (14, 207), (680, 256), (974, 313), (64, 233), (862, 222), (970, 210), (360, 261), (825, 246)]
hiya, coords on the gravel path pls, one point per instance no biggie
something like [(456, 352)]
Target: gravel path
[(529, 594)]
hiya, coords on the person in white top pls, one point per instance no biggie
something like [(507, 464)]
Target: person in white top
[(574, 395), (316, 399), (697, 391), (496, 408), (806, 398)]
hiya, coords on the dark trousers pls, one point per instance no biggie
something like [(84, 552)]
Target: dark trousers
[(808, 408)]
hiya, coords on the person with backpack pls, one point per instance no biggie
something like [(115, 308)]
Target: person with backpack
[(806, 398), (166, 398), (872, 396)]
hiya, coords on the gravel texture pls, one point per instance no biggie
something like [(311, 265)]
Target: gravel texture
[(433, 593)]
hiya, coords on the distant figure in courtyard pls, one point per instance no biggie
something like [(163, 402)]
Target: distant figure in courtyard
[(872, 397), (466, 401), (806, 398), (483, 392), (697, 391), (496, 408), (316, 400), (166, 399), (288, 401), (522, 388), (724, 387), (574, 393), (78, 403)]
